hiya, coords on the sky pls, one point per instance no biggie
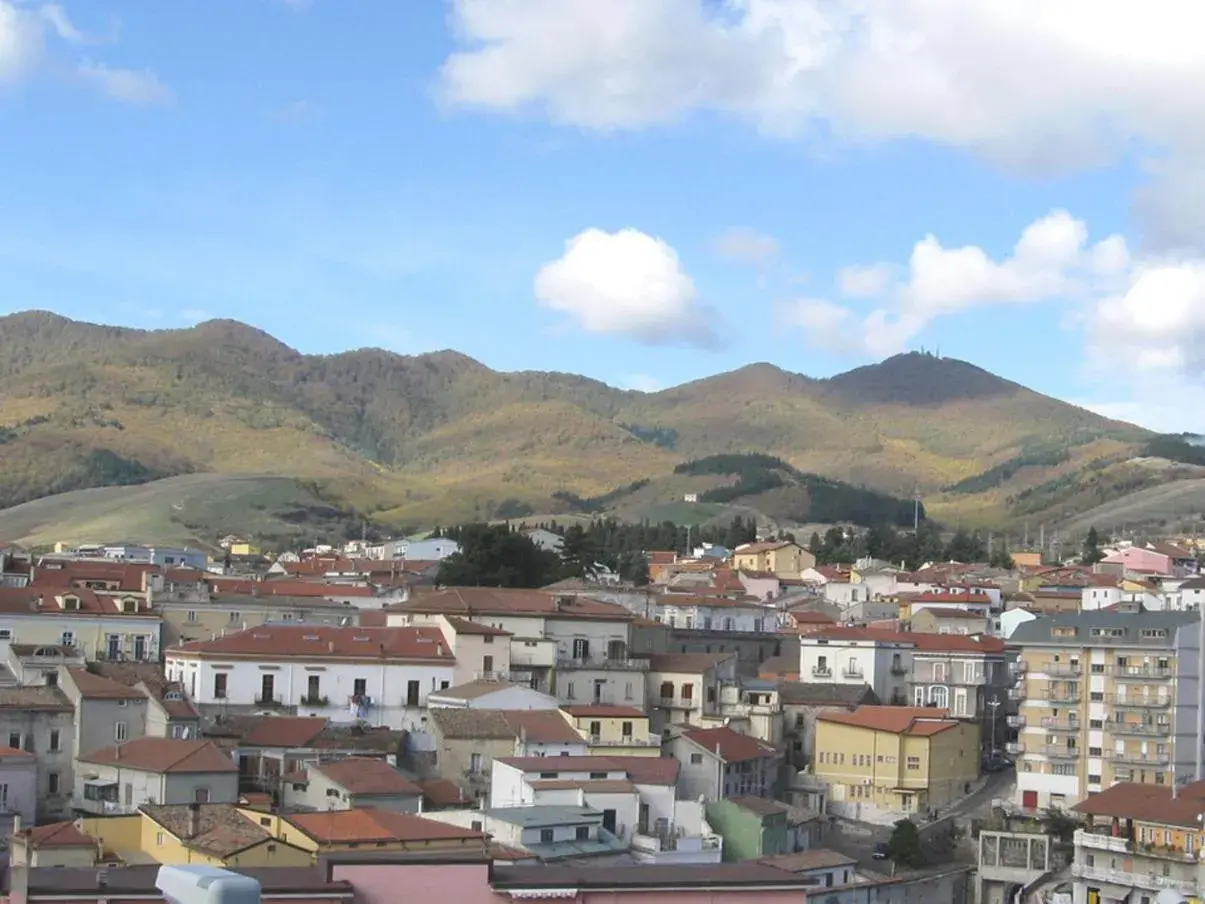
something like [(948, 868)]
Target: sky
[(643, 191)]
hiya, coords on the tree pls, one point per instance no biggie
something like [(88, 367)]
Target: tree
[(1001, 557), (579, 552), (903, 847), (1092, 553), (495, 556)]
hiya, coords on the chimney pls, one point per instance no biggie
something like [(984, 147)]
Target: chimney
[(16, 824), (330, 646), (194, 820)]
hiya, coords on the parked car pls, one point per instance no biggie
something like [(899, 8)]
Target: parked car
[(880, 850)]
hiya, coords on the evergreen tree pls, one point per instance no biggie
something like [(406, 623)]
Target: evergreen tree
[(1092, 553), (903, 847)]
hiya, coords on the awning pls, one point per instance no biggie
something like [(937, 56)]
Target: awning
[(1110, 892), (100, 783)]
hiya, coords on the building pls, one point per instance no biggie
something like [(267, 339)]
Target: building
[(202, 610), (18, 790), (781, 558), (614, 730), (753, 827), (381, 676), (56, 845), (379, 830), (859, 656), (100, 625), (1139, 841), (106, 712), (686, 688), (468, 741), (1105, 697), (884, 763), (482, 651), (124, 777), (719, 762), (803, 703), (483, 694), (40, 721), (351, 783), (950, 620), (969, 677), (572, 646)]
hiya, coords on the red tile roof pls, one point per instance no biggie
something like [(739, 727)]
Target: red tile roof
[(947, 597), (934, 643), (600, 711), (440, 792), (476, 601), (277, 641), (95, 687), (464, 626), (284, 731), (15, 753), (922, 721), (366, 777), (169, 755), (1148, 803), (57, 834), (732, 746), (285, 587), (365, 824), (643, 770)]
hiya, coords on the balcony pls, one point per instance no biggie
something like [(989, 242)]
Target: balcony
[(1186, 887), (677, 703), (269, 700), (1144, 702), (359, 702), (623, 741), (315, 700), (1017, 693), (897, 668), (1056, 752), (1099, 840), (1018, 667), (1062, 669), (1140, 729), (1064, 694), (1135, 758), (1015, 721), (532, 653), (1141, 673), (1052, 724), (822, 671), (852, 671), (1014, 747), (605, 663)]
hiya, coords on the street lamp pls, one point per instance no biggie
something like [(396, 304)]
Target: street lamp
[(994, 703)]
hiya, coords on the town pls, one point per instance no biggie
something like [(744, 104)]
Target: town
[(337, 724)]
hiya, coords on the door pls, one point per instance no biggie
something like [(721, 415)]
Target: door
[(140, 647), (113, 646), (1029, 800), (313, 688), (267, 688), (609, 821)]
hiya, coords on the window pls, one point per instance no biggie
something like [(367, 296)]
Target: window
[(489, 638), (582, 833), (192, 616), (1097, 696), (4, 796), (688, 692), (201, 795), (412, 698), (581, 648), (219, 685), (546, 836), (626, 729), (487, 664), (55, 741), (914, 763), (313, 687), (474, 763), (120, 732), (52, 783), (14, 740), (159, 839), (67, 639), (236, 617), (1093, 751), (359, 687), (569, 690), (696, 759), (129, 794)]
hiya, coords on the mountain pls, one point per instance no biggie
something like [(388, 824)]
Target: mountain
[(412, 439)]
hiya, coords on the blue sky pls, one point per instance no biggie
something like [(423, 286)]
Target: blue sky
[(645, 191)]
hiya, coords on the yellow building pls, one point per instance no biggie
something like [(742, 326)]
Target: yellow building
[(614, 730), (1097, 695), (885, 762), (220, 835), (781, 558), (1142, 839), (358, 829)]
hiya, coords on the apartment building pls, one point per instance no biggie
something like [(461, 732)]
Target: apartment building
[(1104, 697), (778, 557), (859, 656), (1138, 843), (967, 676), (100, 625), (686, 688)]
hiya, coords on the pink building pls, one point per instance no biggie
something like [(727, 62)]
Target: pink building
[(1141, 561), (468, 880)]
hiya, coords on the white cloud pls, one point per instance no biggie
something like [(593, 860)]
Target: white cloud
[(127, 86), (626, 283), (641, 383), (21, 43), (814, 315), (747, 246), (56, 17), (1031, 83), (864, 281)]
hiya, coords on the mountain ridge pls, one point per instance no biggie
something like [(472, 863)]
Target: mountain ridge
[(442, 435)]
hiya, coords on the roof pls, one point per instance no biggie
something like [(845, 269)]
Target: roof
[(367, 777), (652, 876), (643, 770), (57, 834), (801, 693), (14, 753), (731, 746), (365, 824), (168, 755), (472, 690), (752, 549), (944, 612), (283, 731), (222, 829), (911, 720), (537, 726), (1149, 803), (281, 641), (96, 687), (759, 805), (1130, 624), (464, 626), (935, 643), (38, 698), (441, 792), (601, 711), (471, 601), (690, 663), (817, 858)]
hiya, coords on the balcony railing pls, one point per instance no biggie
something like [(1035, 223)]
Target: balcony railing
[(852, 671), (897, 668), (268, 700), (676, 703), (1103, 838), (822, 671), (315, 700), (1125, 879), (1142, 729), (1101, 841), (1143, 702), (1135, 758), (1014, 747), (602, 662), (1017, 692), (624, 741), (1141, 673), (1056, 752), (1062, 669), (1052, 724), (1064, 694), (1015, 721)]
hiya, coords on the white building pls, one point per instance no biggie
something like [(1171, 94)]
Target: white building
[(712, 613), (636, 796), (381, 676), (857, 656)]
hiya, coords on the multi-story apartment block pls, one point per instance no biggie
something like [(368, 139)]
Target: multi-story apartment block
[(381, 676), (687, 688), (1105, 697), (1140, 844), (574, 646), (101, 625), (968, 676), (880, 659)]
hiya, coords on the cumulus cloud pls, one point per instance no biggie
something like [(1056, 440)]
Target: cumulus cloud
[(21, 42), (1051, 84), (127, 86), (626, 283), (1052, 260), (747, 246)]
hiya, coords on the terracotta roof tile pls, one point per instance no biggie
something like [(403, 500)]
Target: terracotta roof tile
[(366, 777), (283, 731), (365, 824), (57, 834), (600, 711), (1148, 803), (538, 726), (732, 746), (168, 755), (96, 687), (440, 792), (221, 829), (471, 601), (910, 720), (276, 641)]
